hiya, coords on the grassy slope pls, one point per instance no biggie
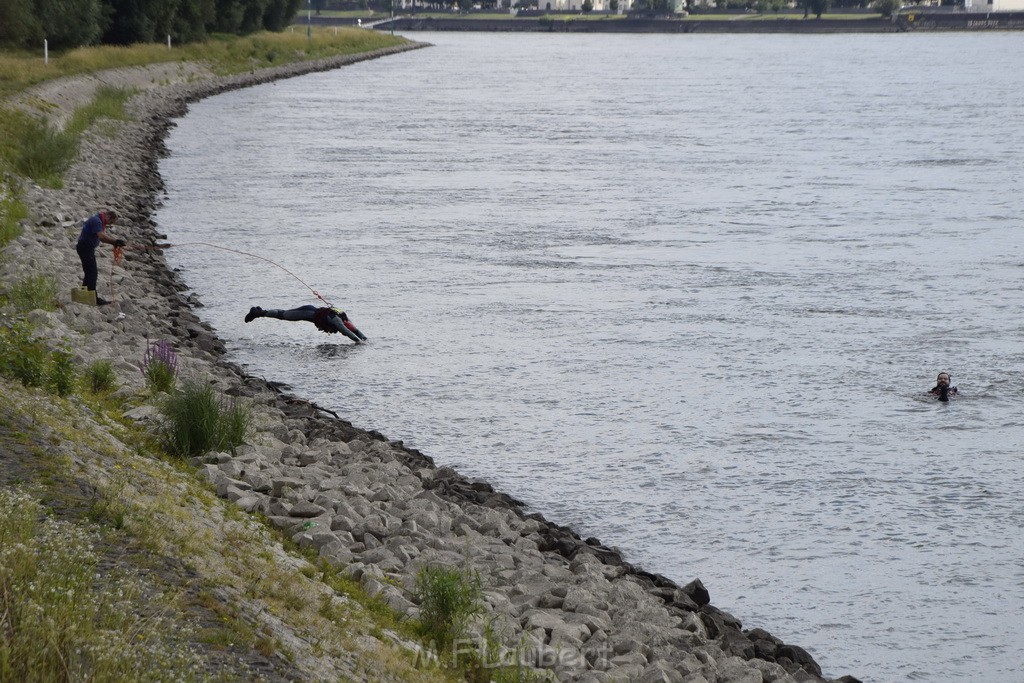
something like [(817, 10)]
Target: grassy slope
[(232, 591), (208, 580), (225, 55)]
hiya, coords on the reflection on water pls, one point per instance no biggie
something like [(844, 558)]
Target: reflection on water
[(683, 293)]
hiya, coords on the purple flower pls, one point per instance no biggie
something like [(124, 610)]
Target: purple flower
[(160, 352)]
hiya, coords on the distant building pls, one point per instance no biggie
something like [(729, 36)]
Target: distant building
[(577, 5), (994, 5)]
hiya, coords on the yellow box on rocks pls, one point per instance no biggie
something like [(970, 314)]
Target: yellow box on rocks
[(81, 295)]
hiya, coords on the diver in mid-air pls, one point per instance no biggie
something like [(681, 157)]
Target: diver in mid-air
[(329, 320)]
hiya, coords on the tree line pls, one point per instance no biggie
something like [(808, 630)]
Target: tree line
[(71, 23)]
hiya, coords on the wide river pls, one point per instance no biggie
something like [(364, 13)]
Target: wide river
[(684, 293)]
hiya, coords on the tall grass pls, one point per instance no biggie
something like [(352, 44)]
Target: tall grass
[(22, 356), (197, 422), (32, 148), (12, 210), (61, 373), (449, 598), (108, 102), (100, 377), (33, 292), (30, 361), (58, 623), (224, 54), (235, 422)]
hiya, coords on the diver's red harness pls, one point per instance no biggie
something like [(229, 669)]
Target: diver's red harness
[(320, 318)]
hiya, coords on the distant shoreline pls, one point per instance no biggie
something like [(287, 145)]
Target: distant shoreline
[(906, 22)]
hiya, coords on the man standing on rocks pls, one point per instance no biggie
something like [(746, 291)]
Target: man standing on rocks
[(94, 232)]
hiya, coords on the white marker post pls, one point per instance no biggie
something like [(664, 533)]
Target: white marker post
[(168, 41), (46, 51)]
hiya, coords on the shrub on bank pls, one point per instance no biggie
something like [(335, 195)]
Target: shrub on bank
[(449, 598), (22, 356), (12, 210), (100, 377), (32, 293), (30, 361), (61, 375), (197, 422), (32, 148)]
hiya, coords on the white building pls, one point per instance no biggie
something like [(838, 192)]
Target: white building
[(577, 5), (994, 5)]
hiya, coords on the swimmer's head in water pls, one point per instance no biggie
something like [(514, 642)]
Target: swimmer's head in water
[(943, 379)]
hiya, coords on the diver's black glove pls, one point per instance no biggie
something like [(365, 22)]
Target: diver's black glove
[(120, 243)]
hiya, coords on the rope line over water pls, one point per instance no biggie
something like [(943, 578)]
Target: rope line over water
[(119, 252)]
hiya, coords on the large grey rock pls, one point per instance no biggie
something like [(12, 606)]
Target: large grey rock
[(316, 537), (282, 484), (251, 503), (660, 672), (307, 509), (259, 481), (736, 670), (210, 473)]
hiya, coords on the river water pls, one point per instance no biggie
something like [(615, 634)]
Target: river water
[(683, 293)]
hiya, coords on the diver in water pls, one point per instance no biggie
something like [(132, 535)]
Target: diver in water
[(942, 387), (329, 320)]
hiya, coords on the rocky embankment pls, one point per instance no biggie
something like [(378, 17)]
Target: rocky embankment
[(362, 502)]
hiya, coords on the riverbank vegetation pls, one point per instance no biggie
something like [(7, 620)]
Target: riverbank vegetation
[(110, 546), (222, 54)]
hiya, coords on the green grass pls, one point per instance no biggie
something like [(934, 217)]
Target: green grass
[(468, 17), (151, 516), (33, 292), (107, 103), (30, 147), (800, 15), (224, 54), (197, 422), (22, 356), (100, 377), (59, 622), (449, 599), (61, 372), (12, 210)]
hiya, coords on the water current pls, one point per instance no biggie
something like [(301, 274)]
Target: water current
[(683, 293)]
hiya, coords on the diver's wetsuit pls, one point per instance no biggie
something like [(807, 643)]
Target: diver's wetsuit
[(326, 320)]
